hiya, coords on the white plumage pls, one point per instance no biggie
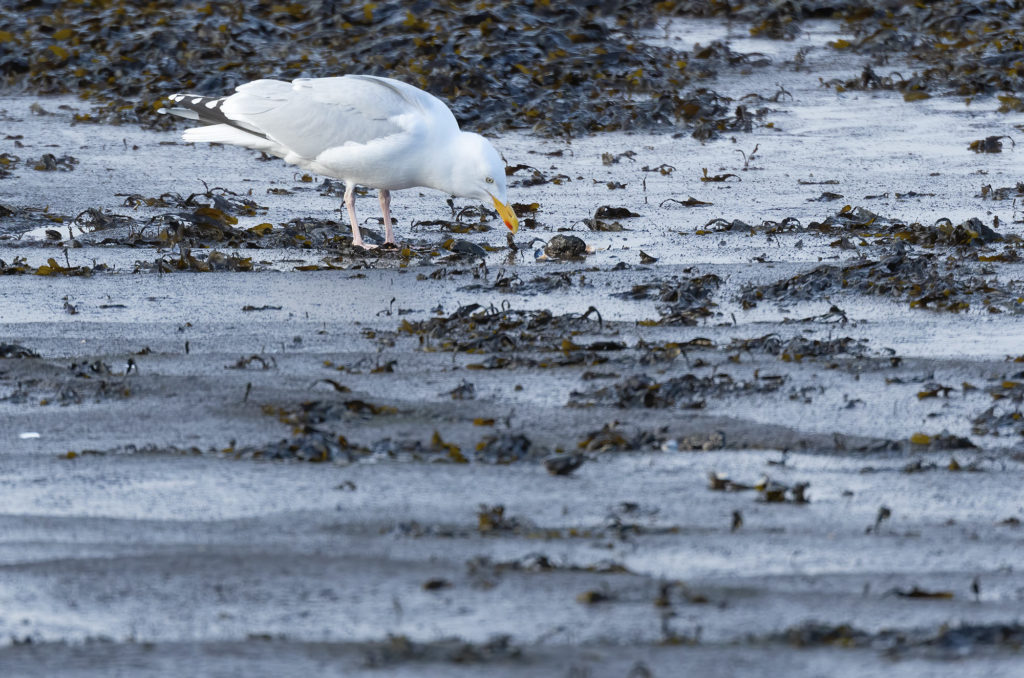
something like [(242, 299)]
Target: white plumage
[(365, 130)]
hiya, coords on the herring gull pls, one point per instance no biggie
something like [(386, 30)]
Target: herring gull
[(371, 131)]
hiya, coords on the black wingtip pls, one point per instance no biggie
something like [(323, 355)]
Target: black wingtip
[(206, 110)]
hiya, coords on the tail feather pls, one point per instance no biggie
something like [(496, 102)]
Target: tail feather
[(228, 134)]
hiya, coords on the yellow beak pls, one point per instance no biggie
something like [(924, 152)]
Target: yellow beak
[(507, 215)]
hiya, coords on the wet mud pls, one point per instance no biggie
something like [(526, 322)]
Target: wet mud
[(743, 395)]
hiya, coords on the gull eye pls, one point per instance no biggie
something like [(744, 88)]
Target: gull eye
[(490, 180)]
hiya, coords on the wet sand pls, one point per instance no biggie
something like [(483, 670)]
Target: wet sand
[(146, 530)]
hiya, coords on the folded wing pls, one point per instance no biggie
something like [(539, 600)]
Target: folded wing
[(308, 116)]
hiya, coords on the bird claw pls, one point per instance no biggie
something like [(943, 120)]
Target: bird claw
[(363, 245)]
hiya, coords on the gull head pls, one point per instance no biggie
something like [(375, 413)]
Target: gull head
[(479, 173)]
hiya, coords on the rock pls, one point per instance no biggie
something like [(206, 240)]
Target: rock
[(566, 247)]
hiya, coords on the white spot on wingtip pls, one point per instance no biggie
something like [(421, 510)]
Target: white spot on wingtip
[(212, 104), (196, 100)]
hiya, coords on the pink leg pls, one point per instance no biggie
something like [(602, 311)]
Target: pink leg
[(350, 204), (385, 208)]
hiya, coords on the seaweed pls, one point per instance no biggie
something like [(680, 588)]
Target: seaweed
[(687, 391), (563, 464), (681, 301), (990, 144), (1005, 415), (50, 163), (925, 281), (19, 266), (798, 347), (8, 163), (16, 351), (310, 445), (475, 329), (205, 262), (124, 59), (505, 448), (945, 642), (769, 491), (399, 650)]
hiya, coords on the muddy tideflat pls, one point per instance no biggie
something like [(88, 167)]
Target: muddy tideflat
[(826, 316)]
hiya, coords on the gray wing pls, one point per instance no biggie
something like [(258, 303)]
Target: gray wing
[(310, 115)]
